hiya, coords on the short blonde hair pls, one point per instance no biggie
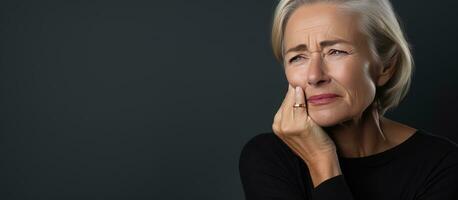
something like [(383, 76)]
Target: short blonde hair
[(386, 40)]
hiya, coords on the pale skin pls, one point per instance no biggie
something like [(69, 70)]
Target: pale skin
[(344, 67)]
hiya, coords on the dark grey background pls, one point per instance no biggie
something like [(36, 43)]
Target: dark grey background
[(155, 99)]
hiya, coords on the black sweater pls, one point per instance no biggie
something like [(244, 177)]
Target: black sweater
[(424, 167)]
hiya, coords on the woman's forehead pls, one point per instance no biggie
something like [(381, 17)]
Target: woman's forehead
[(314, 23)]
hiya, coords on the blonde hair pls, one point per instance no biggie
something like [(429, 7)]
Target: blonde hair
[(386, 40)]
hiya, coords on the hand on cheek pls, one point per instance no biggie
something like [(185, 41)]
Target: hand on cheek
[(294, 126)]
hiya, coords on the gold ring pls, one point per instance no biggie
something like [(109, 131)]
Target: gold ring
[(298, 105)]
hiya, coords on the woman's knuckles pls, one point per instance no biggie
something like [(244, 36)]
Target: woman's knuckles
[(276, 129), (292, 130)]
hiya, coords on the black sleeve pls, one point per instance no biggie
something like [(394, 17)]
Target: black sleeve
[(263, 177), (333, 188), (266, 173), (442, 183)]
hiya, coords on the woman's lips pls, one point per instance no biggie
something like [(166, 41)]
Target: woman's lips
[(322, 99)]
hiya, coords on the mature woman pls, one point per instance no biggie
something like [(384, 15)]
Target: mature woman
[(347, 62)]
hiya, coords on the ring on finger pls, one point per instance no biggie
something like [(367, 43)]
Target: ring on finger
[(299, 105)]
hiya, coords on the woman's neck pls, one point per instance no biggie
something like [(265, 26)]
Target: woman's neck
[(362, 136)]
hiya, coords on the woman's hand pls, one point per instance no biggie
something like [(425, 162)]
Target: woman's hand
[(297, 129)]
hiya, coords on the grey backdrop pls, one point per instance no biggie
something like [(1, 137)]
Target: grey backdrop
[(154, 100)]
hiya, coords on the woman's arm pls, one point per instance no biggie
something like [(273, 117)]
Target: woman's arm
[(324, 168), (268, 173), (328, 181)]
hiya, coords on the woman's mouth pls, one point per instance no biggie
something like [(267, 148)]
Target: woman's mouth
[(322, 99)]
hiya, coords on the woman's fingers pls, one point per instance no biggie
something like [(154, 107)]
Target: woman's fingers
[(287, 110), (277, 119), (300, 99), (290, 119), (288, 93)]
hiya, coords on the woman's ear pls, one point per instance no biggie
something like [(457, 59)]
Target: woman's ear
[(387, 72)]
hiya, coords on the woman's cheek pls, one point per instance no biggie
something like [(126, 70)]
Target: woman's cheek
[(365, 92), (296, 77)]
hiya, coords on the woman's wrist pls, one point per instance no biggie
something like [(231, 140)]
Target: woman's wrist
[(323, 168)]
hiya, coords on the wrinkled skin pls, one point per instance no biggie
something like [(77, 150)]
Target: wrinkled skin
[(325, 52)]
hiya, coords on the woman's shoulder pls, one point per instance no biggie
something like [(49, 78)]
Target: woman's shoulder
[(266, 146), (420, 143), (265, 154), (439, 142), (261, 143), (428, 155), (262, 140), (438, 162), (436, 145)]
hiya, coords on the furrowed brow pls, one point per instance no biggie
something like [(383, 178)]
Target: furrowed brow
[(325, 43), (301, 47)]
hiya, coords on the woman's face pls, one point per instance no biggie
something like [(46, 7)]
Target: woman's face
[(325, 52)]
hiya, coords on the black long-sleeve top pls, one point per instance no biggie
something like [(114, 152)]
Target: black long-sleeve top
[(423, 167)]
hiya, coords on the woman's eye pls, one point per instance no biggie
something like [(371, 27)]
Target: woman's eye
[(295, 59), (337, 52)]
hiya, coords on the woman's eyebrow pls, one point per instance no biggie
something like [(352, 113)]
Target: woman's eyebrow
[(300, 47), (324, 43)]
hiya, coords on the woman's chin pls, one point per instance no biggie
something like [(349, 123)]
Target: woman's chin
[(325, 123), (325, 120)]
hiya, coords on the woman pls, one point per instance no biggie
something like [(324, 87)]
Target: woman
[(347, 62)]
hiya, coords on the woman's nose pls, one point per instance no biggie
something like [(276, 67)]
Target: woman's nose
[(316, 74)]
